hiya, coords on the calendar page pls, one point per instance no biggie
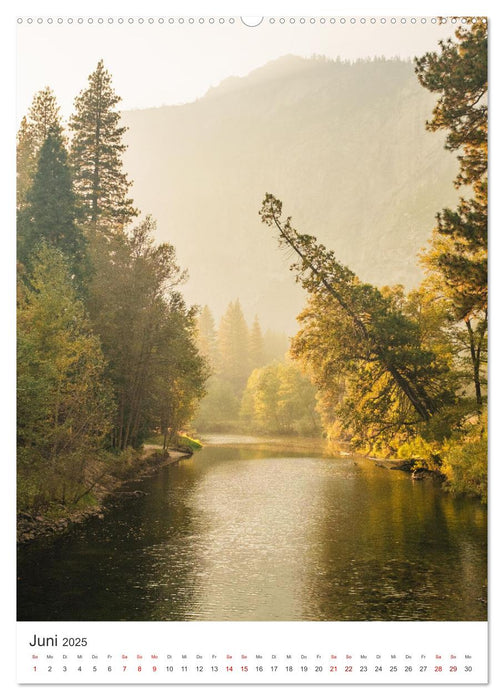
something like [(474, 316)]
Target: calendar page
[(252, 322)]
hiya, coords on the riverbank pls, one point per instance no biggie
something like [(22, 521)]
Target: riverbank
[(33, 528)]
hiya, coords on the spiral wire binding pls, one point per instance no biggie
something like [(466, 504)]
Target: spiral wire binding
[(243, 20)]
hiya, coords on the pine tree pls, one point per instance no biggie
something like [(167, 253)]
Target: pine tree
[(459, 73), (234, 347), (34, 129), (458, 253), (96, 154), (50, 212), (43, 116)]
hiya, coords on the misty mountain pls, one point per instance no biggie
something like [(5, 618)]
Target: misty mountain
[(343, 145)]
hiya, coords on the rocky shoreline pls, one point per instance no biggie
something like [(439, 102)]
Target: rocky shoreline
[(37, 528), (416, 467)]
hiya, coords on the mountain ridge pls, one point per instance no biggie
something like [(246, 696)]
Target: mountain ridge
[(342, 144)]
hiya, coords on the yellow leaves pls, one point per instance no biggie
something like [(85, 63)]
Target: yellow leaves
[(64, 404)]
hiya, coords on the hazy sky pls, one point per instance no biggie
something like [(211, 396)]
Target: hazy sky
[(155, 64)]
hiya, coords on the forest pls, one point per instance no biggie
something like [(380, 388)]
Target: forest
[(110, 355), (254, 385), (106, 343)]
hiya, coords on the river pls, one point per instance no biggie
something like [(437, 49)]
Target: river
[(248, 529)]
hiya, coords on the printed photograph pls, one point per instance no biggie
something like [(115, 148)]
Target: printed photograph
[(252, 319)]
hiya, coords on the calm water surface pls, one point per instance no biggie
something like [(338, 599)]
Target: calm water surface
[(246, 530)]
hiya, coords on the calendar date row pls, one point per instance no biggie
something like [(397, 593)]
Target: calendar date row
[(275, 668)]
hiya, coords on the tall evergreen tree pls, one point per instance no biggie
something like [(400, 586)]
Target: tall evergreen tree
[(50, 212), (234, 347), (96, 154), (43, 115), (458, 253), (459, 73)]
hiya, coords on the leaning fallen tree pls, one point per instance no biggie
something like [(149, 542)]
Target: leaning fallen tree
[(379, 333)]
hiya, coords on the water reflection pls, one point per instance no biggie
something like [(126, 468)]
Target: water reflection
[(253, 531)]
